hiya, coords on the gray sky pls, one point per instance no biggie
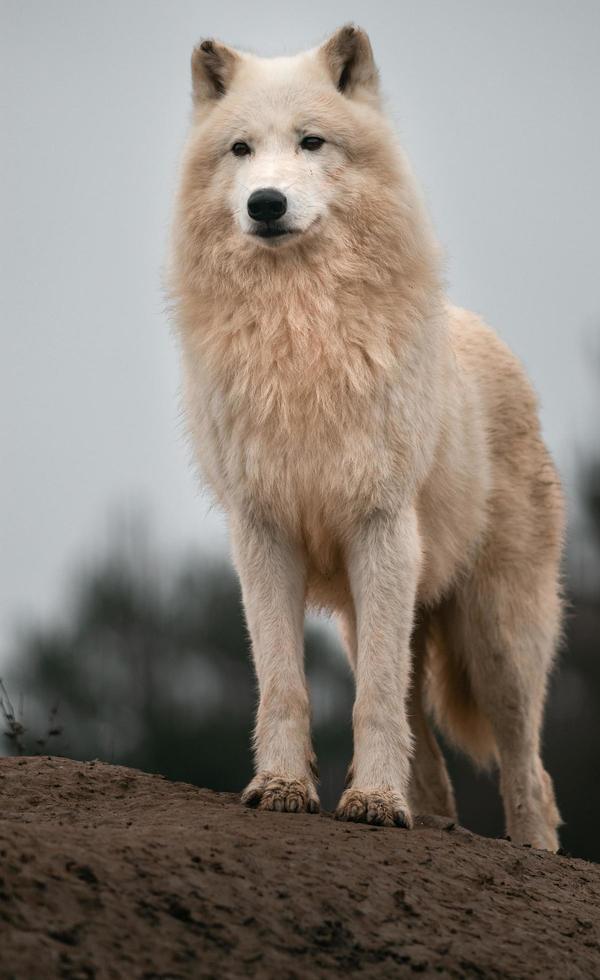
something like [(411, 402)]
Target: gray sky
[(497, 103)]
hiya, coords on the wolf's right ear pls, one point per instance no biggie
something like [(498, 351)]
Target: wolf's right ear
[(349, 60), (213, 67)]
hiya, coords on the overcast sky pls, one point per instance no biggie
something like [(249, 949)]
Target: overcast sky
[(497, 103)]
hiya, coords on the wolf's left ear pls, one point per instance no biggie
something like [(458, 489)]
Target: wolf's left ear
[(349, 59), (213, 67)]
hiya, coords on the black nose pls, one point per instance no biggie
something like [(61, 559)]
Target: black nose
[(267, 204)]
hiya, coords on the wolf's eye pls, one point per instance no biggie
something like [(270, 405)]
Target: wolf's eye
[(240, 149), (312, 143)]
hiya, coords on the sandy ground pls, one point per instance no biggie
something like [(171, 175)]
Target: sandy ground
[(108, 872)]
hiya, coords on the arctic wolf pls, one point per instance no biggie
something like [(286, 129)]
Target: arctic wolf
[(377, 451)]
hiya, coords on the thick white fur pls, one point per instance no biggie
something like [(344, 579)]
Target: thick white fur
[(376, 450)]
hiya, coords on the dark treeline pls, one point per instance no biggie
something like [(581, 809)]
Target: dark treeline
[(150, 668)]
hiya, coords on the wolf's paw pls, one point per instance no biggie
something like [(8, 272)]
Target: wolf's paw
[(268, 791), (540, 837), (376, 806)]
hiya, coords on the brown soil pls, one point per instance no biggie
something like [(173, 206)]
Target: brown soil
[(108, 872)]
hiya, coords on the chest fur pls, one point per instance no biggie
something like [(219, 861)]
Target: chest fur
[(314, 407)]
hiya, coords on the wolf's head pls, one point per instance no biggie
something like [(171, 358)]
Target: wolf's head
[(286, 150)]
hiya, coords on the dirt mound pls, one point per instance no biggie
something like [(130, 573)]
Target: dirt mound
[(107, 872)]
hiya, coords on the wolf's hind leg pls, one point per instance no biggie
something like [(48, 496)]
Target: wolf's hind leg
[(430, 787), (273, 586), (504, 630)]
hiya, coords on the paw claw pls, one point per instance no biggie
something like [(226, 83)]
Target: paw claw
[(251, 798)]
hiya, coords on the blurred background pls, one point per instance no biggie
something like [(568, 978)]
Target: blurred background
[(121, 632)]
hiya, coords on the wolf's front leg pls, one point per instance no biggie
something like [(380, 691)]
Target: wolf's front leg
[(383, 564), (272, 577)]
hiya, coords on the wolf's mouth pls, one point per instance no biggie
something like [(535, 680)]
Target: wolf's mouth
[(269, 230)]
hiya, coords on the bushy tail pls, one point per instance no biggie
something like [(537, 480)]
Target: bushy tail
[(450, 697)]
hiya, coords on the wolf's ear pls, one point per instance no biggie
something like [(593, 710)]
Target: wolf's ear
[(213, 67), (349, 59)]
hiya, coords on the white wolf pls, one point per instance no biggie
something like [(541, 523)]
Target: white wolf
[(376, 450)]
